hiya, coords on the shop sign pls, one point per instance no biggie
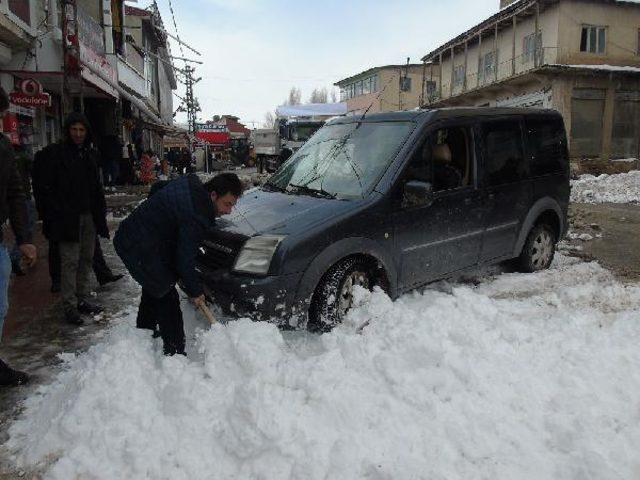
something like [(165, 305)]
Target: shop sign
[(91, 45), (29, 93), (10, 128)]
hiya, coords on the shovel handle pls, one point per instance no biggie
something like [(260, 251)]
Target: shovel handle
[(207, 313)]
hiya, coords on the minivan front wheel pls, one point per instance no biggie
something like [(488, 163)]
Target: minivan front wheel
[(539, 249), (333, 297)]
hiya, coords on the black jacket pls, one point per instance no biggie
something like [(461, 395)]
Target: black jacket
[(158, 242), (56, 194), (12, 198)]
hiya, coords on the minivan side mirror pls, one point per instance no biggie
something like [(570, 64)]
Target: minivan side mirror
[(417, 193)]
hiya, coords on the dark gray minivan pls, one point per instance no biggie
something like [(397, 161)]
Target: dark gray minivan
[(396, 200)]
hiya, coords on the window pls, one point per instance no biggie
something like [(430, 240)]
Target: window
[(374, 83), (547, 145), (444, 160), (405, 84), (366, 86), (459, 73), (587, 113), (21, 9), (487, 67), (593, 39), (430, 87), (530, 44), (504, 159), (358, 88)]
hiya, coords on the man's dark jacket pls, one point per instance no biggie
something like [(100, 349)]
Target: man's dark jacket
[(12, 198), (158, 242), (56, 194)]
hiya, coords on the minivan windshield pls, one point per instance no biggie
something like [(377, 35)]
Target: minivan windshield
[(342, 160)]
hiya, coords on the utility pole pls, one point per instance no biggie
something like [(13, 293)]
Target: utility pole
[(191, 104)]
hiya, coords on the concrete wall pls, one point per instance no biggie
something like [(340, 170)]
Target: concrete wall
[(392, 99), (622, 22), (165, 98)]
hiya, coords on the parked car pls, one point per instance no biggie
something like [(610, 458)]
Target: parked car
[(397, 200)]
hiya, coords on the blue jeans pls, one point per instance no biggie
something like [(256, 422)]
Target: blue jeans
[(5, 275)]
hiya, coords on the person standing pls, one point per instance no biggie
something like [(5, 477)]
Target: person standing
[(74, 210), (158, 243), (24, 164), (12, 206)]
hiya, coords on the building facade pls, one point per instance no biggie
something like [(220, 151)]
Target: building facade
[(94, 56), (388, 88), (581, 57)]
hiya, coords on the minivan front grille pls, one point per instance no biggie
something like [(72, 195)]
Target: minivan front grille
[(219, 253)]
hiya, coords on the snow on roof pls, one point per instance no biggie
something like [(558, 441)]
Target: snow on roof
[(312, 109), (601, 67), (618, 188)]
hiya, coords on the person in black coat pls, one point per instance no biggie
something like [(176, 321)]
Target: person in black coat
[(158, 243), (12, 207), (73, 209)]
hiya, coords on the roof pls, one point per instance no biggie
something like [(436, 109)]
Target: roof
[(503, 13), (449, 112), (376, 69), (596, 68)]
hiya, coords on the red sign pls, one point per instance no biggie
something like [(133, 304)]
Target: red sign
[(29, 93), (10, 127)]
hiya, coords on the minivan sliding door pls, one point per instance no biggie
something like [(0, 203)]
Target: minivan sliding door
[(507, 191)]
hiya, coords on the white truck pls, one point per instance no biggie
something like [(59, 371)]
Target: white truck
[(295, 125)]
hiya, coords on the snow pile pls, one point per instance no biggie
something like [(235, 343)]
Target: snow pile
[(618, 188), (522, 376)]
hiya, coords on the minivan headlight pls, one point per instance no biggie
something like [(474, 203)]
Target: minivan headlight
[(256, 254)]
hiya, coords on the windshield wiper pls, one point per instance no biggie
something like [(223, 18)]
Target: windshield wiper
[(313, 191), (274, 187)]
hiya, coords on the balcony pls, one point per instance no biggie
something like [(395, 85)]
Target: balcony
[(507, 69)]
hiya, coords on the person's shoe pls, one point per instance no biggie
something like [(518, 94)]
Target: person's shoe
[(87, 308), (10, 377), (73, 318), (114, 277), (55, 287)]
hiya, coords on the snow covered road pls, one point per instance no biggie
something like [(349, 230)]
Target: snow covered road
[(518, 376)]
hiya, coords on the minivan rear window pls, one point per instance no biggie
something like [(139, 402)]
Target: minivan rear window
[(342, 160), (546, 142)]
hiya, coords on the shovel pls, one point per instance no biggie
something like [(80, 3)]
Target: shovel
[(206, 311)]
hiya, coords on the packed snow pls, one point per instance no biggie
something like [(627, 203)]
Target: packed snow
[(523, 376), (618, 188)]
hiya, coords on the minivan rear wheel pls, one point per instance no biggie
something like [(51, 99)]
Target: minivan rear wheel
[(539, 249), (333, 297)]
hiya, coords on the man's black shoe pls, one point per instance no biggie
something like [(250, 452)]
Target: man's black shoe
[(109, 279), (55, 287), (73, 318), (87, 308), (10, 377)]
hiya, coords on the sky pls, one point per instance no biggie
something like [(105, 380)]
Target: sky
[(254, 51)]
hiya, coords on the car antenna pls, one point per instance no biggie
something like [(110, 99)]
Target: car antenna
[(377, 97)]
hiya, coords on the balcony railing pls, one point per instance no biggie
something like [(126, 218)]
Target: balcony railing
[(508, 68)]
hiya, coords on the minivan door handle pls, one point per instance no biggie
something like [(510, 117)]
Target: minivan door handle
[(491, 196)]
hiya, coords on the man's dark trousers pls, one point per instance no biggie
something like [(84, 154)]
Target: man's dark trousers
[(164, 312), (100, 267)]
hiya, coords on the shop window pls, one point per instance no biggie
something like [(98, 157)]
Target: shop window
[(504, 158), (587, 114), (547, 145), (625, 142), (593, 39), (21, 9)]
